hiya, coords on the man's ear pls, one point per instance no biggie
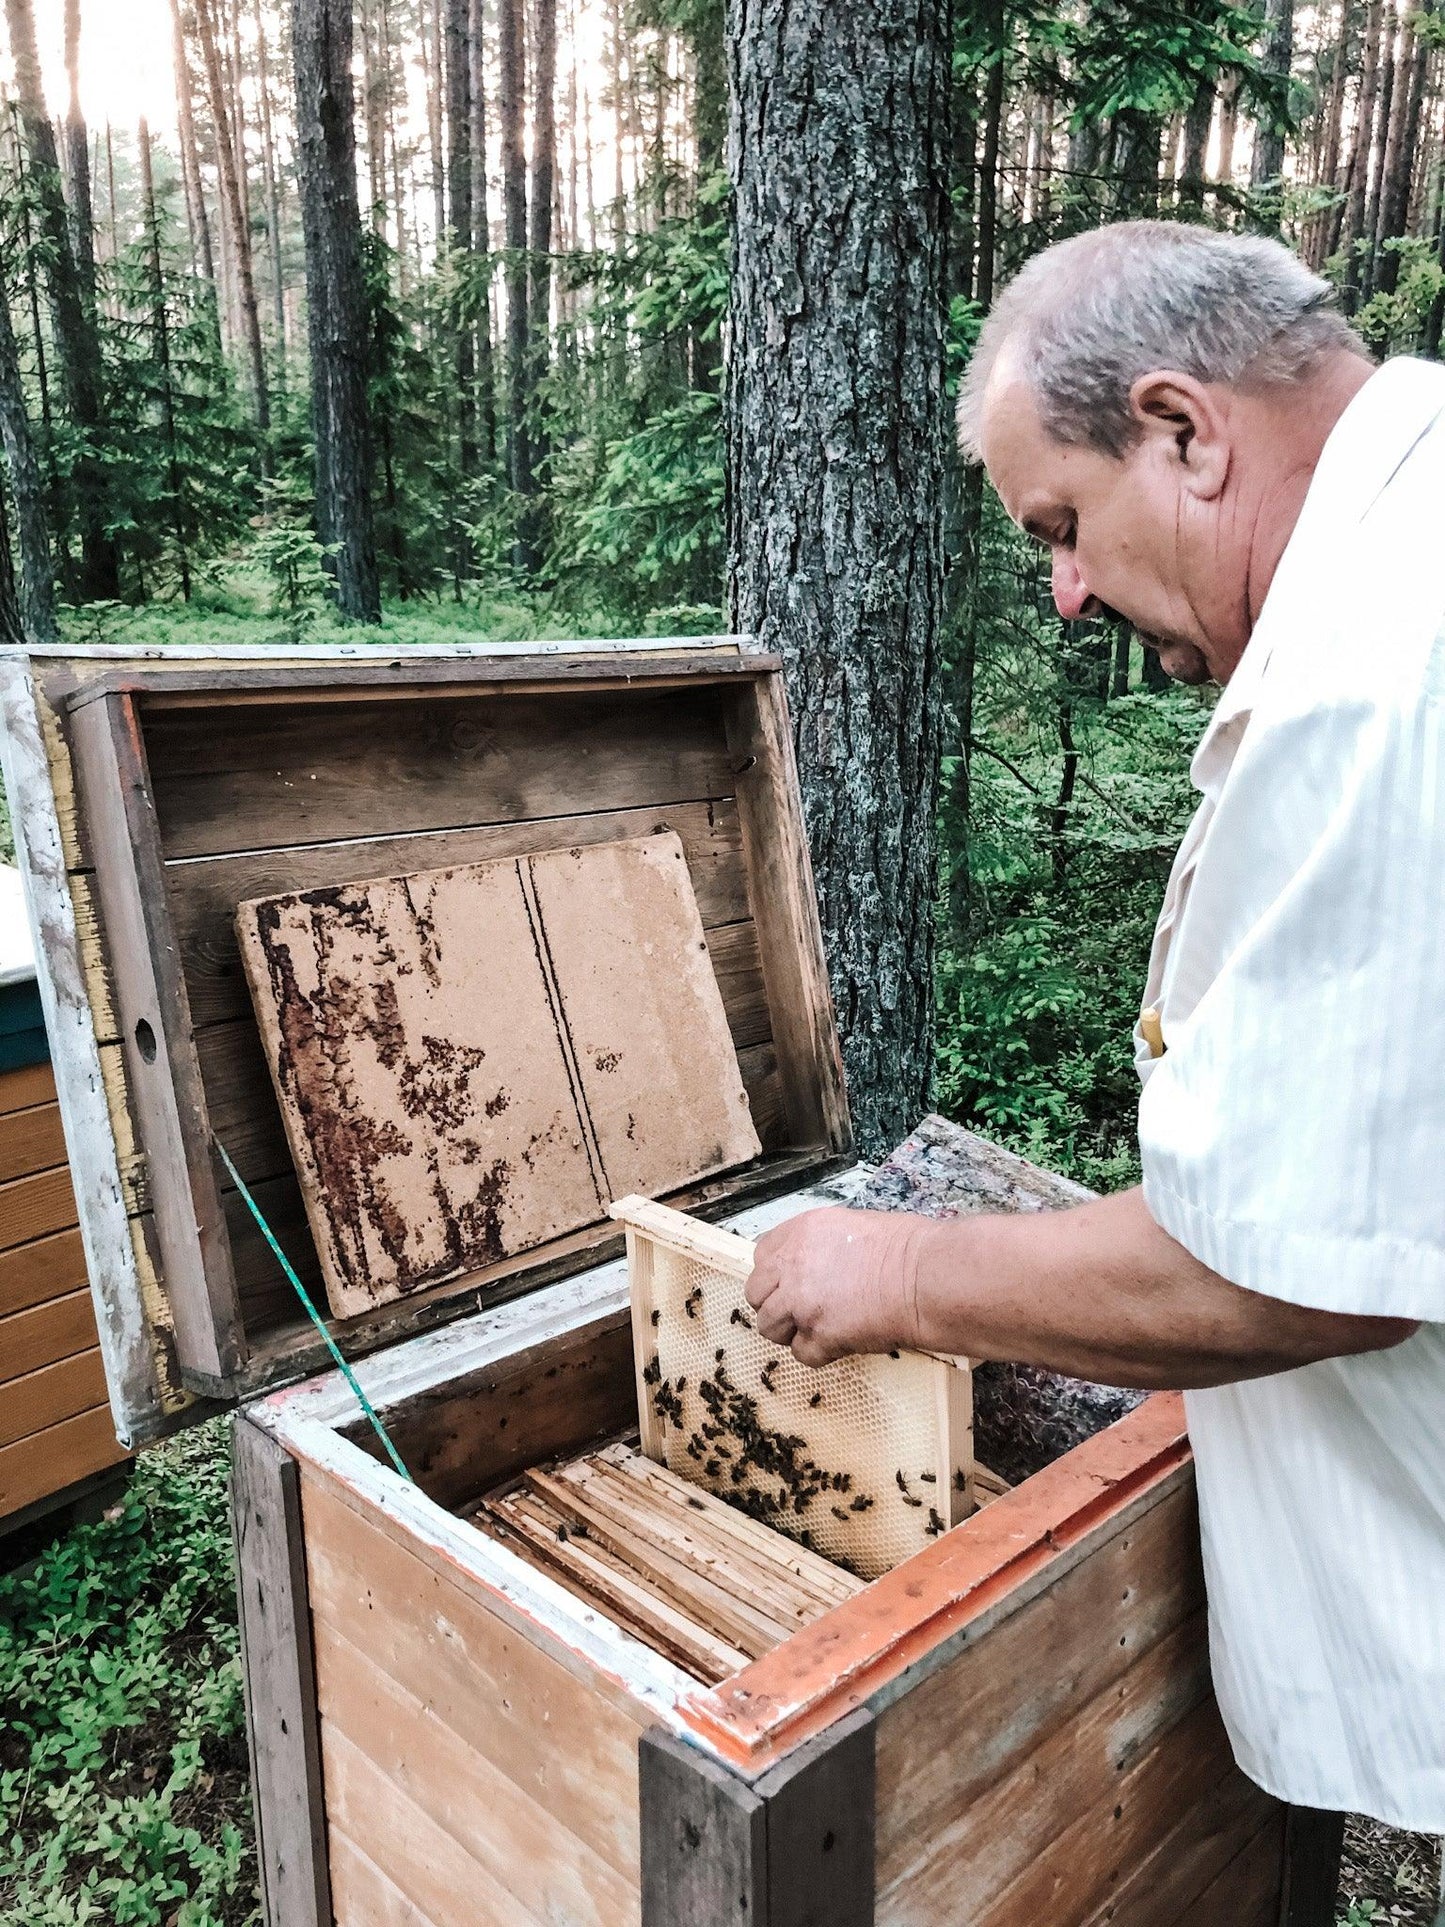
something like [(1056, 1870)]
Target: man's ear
[(1183, 417)]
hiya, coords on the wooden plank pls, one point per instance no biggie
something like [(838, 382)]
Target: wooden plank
[(571, 1746), (427, 1096), (55, 1329), (1073, 1864), (31, 1140), (413, 672), (704, 1839), (263, 778), (34, 1206), (245, 1117), (31, 1084), (962, 1732), (785, 905), (361, 1894), (47, 1462), (1245, 1893), (162, 1072), (519, 1853), (281, 1716), (1312, 1845), (643, 1016), (443, 1882), (48, 1268), (793, 1850), (820, 1805), (595, 1575), (204, 891), (1193, 1853), (49, 1394), (465, 1438)]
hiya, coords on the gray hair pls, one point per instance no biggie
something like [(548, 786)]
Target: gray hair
[(1087, 317)]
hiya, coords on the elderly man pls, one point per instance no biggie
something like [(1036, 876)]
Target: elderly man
[(1201, 445)]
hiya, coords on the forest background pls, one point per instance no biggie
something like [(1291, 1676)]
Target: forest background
[(471, 318)]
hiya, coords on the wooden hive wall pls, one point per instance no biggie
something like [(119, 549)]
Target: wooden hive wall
[(55, 1422), (1071, 1767), (470, 1776)]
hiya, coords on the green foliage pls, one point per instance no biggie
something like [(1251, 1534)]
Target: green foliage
[(122, 1755), (286, 549)]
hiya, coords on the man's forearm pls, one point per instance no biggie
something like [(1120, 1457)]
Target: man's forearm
[(1103, 1293)]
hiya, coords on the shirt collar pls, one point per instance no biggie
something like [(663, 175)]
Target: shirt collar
[(1381, 425)]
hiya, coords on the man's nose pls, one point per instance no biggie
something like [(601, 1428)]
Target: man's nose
[(1072, 595)]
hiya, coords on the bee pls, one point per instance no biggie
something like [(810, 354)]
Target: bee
[(768, 1374), (839, 1513), (895, 1354), (960, 1482), (692, 1301), (737, 1317), (816, 1399), (935, 1524), (929, 1478), (902, 1483), (657, 1318), (717, 1357), (908, 1499), (712, 1468), (861, 1503), (652, 1371)]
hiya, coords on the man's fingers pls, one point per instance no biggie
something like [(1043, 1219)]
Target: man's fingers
[(812, 1351), (775, 1323), (767, 1275)]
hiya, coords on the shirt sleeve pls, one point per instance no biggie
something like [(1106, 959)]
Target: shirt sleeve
[(1293, 1135)]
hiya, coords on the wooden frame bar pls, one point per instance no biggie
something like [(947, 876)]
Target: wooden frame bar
[(792, 1849), (162, 1068), (282, 1724)]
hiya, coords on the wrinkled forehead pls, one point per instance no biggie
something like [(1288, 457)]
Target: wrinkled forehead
[(1023, 460)]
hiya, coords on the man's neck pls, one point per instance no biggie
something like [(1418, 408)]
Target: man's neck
[(1291, 432)]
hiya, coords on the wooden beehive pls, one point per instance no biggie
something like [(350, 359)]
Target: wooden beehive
[(57, 1436), (1014, 1725)]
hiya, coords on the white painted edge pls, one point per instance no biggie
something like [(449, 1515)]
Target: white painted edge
[(304, 1418), (89, 1139), (301, 652)]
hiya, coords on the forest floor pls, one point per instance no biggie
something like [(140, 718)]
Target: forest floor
[(123, 1781)]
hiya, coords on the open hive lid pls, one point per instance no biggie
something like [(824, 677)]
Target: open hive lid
[(155, 793)]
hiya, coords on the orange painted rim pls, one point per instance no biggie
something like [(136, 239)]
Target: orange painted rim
[(840, 1661)]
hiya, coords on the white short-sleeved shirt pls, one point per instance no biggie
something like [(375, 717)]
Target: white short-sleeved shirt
[(1293, 1134)]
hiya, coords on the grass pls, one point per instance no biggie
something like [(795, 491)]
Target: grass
[(124, 1795)]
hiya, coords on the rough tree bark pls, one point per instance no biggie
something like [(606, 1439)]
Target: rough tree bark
[(838, 147), (1354, 218), (539, 266), (35, 590), (512, 45), (482, 238), (1276, 56), (458, 86), (229, 161), (75, 336), (335, 298), (202, 255), (1194, 154), (1399, 166), (77, 154), (161, 341), (273, 187)]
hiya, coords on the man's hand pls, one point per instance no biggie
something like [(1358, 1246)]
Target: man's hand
[(1099, 1291), (833, 1281)]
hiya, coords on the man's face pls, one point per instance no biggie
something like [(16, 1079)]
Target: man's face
[(1123, 534)]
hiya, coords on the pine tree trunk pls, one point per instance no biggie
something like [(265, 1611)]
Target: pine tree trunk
[(273, 187), (486, 385), (993, 110), (1194, 156), (1354, 221), (458, 68), (1389, 71), (198, 220), (1318, 228), (512, 48), (1400, 155), (160, 334), (544, 173), (835, 477), (1267, 165), (1228, 130), (432, 59), (228, 161), (77, 146), (76, 338), (36, 585), (336, 298), (374, 100)]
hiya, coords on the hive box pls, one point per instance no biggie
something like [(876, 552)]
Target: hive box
[(1015, 1726)]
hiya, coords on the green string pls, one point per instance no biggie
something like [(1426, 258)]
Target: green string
[(317, 1320)]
